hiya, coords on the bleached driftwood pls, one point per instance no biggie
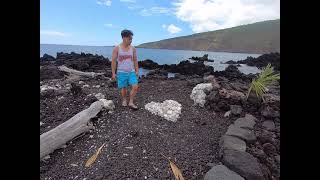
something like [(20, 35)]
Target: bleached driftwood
[(68, 130), (79, 73)]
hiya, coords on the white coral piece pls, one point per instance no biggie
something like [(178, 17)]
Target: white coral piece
[(198, 94), (108, 104), (46, 87), (169, 109)]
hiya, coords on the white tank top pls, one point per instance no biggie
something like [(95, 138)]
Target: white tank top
[(125, 60)]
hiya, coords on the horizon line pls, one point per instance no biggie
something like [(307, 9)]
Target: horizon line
[(76, 45)]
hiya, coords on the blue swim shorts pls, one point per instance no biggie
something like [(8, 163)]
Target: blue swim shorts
[(124, 79)]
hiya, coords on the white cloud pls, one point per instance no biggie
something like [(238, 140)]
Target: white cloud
[(108, 25), (104, 2), (53, 33), (128, 1), (134, 7), (208, 15), (155, 10), (172, 29), (145, 12)]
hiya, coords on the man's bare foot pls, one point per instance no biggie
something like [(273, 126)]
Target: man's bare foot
[(132, 106)]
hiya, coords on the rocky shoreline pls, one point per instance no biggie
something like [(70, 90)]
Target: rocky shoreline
[(203, 58), (261, 61), (201, 143)]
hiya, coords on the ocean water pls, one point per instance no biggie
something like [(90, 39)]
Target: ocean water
[(161, 56)]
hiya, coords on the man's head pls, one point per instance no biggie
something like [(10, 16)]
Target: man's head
[(126, 36)]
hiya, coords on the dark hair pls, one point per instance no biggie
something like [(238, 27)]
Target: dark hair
[(126, 33)]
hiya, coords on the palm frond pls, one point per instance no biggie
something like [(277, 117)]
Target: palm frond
[(265, 78)]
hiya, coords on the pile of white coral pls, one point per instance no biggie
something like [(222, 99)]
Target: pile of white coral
[(169, 109), (198, 94), (99, 96), (46, 87), (108, 104)]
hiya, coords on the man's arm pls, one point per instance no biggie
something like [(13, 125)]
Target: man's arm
[(135, 61), (113, 62)]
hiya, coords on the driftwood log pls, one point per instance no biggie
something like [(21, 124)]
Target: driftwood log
[(79, 73), (68, 130)]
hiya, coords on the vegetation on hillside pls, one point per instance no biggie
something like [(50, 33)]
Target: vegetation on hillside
[(260, 37)]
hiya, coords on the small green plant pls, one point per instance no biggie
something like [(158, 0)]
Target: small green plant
[(265, 78)]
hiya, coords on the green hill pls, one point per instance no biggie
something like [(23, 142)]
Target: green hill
[(261, 37)]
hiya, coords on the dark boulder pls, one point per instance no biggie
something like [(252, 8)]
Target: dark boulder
[(47, 57), (83, 62), (148, 64), (203, 58), (51, 72), (263, 61)]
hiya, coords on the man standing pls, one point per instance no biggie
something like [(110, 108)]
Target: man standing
[(125, 68)]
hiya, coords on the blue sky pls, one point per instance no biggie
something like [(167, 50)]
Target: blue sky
[(99, 22)]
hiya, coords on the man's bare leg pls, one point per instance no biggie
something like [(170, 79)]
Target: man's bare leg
[(133, 93), (124, 96)]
